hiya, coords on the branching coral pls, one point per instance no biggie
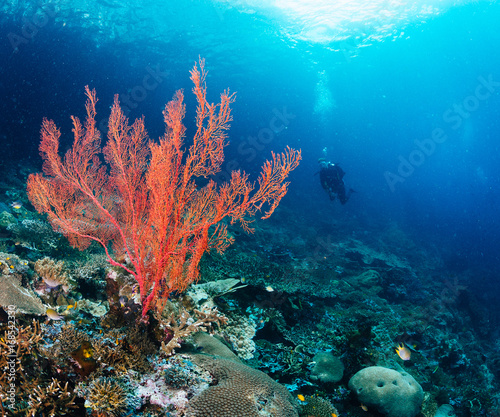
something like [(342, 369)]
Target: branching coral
[(73, 352), (121, 353), (69, 340), (22, 370), (51, 400), (112, 353), (106, 397), (14, 347), (183, 325), (27, 340), (18, 353)]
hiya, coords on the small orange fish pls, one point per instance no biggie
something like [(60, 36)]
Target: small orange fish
[(403, 352), (301, 397)]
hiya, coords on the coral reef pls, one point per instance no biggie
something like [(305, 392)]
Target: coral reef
[(35, 235), (166, 222), (23, 378), (262, 318)]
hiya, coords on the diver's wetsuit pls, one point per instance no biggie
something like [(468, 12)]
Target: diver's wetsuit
[(331, 178)]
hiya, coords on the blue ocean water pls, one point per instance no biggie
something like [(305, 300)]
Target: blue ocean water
[(403, 95)]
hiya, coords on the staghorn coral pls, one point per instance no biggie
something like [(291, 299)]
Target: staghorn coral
[(106, 397), (119, 353), (18, 350), (239, 390), (184, 325), (22, 366), (51, 400), (112, 353), (72, 352), (69, 340)]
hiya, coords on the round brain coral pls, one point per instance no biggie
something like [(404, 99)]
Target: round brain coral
[(239, 391)]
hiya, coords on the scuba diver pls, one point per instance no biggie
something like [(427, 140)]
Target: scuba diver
[(331, 178)]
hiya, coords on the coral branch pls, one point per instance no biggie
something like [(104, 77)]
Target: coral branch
[(184, 325)]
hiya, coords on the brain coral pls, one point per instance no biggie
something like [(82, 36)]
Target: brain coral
[(239, 391)]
